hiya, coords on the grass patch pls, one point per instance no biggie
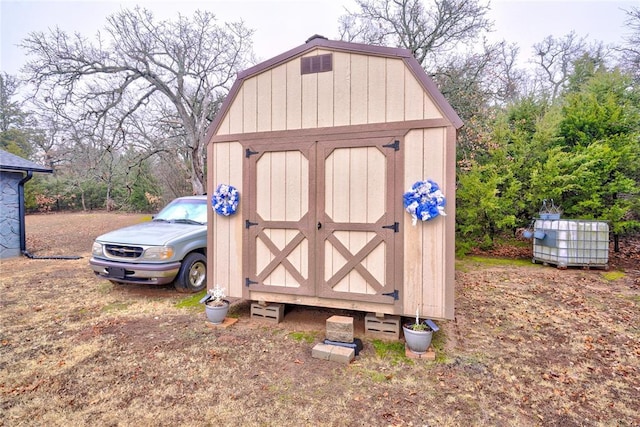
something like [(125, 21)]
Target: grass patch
[(393, 350), (635, 298), (438, 341), (499, 261), (612, 276), (306, 337), (462, 266), (116, 306), (105, 287), (192, 301), (375, 376)]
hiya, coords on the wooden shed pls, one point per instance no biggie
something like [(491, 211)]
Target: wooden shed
[(322, 141)]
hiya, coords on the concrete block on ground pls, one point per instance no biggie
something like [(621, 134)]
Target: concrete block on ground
[(333, 353), (340, 328), (356, 345), (342, 354), (271, 312), (387, 327), (321, 351)]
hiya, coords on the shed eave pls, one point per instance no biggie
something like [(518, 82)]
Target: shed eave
[(21, 169), (430, 87)]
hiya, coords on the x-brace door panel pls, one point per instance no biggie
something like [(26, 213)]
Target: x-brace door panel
[(279, 229), (357, 235)]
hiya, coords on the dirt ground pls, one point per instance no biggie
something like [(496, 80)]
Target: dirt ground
[(531, 345)]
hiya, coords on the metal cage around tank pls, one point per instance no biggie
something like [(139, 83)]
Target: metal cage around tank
[(571, 243)]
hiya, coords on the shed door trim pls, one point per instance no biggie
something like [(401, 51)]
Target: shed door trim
[(283, 234), (376, 232), (379, 232)]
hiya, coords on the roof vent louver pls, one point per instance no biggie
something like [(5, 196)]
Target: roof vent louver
[(316, 64)]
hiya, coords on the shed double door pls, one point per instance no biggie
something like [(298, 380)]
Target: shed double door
[(320, 219)]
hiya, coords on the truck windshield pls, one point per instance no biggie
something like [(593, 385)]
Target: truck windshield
[(189, 211)]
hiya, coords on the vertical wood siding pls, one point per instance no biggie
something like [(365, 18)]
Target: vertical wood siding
[(225, 242), (361, 89), (282, 183), (355, 192), (424, 257)]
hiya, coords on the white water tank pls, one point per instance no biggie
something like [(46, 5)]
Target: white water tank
[(569, 243)]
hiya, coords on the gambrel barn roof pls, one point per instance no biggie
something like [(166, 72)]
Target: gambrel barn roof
[(420, 78)]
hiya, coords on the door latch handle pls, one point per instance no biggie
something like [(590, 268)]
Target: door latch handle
[(319, 225)]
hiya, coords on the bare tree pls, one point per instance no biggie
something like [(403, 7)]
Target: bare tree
[(142, 74), (631, 49), (474, 83), (173, 181), (556, 58), (427, 32), (508, 80)]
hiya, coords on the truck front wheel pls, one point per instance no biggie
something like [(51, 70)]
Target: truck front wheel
[(192, 276)]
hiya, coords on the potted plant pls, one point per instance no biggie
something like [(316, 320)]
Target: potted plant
[(215, 305), (418, 334)]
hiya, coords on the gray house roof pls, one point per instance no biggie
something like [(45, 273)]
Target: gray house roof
[(11, 162)]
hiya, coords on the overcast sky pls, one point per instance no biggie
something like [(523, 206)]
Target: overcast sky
[(281, 25)]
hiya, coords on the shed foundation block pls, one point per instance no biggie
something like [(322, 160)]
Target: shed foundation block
[(386, 327), (340, 328), (271, 312)]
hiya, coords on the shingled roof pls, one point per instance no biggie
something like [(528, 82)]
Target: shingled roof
[(11, 162)]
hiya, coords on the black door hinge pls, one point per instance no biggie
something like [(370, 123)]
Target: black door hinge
[(248, 153), (248, 282), (248, 224), (395, 227), (395, 294), (395, 145)]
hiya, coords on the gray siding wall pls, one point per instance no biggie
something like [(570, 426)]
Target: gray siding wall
[(9, 214)]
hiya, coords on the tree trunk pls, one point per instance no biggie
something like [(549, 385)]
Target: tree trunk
[(197, 185), (197, 162)]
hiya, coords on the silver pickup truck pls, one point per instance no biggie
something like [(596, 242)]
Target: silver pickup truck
[(170, 248)]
